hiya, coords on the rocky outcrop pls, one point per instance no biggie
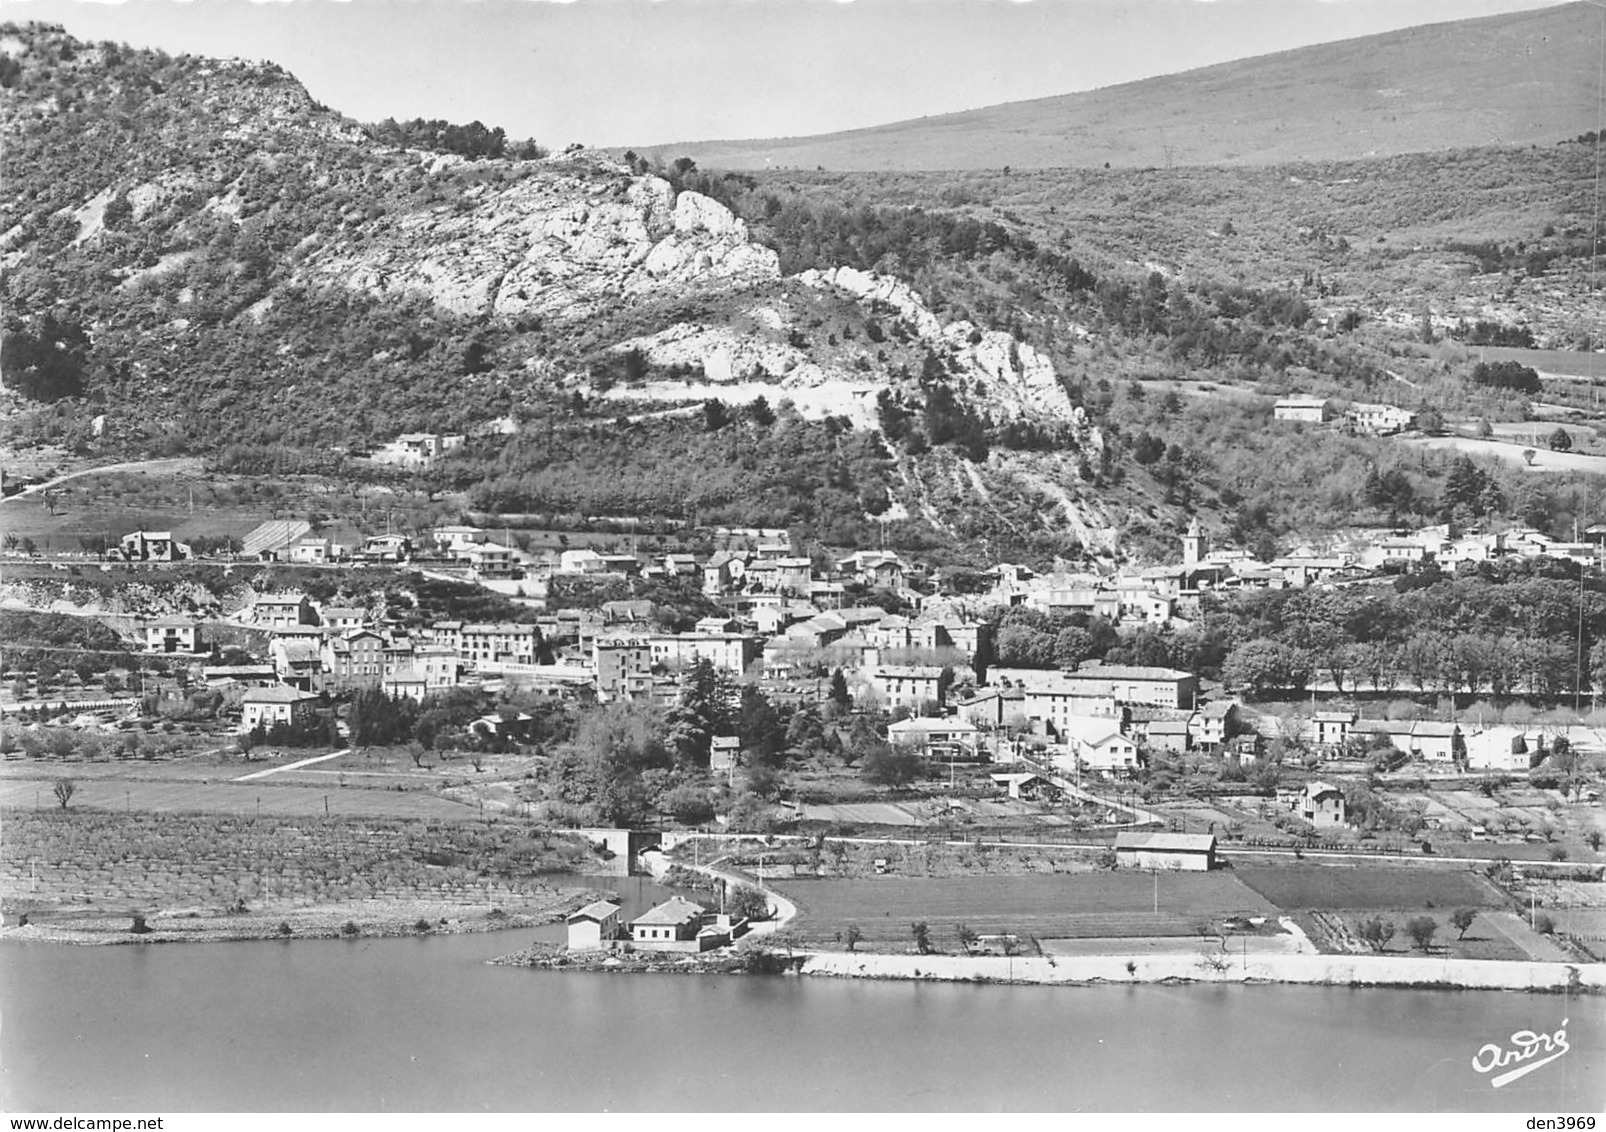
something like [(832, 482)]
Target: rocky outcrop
[(1016, 379), (555, 243)]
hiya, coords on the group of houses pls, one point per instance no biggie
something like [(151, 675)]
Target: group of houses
[(676, 925), (1360, 417)]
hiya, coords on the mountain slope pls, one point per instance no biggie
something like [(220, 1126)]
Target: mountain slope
[(199, 259), (1509, 79)]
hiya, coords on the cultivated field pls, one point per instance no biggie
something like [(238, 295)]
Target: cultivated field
[(1544, 459), (1362, 888), (159, 861), (243, 798), (1071, 906)]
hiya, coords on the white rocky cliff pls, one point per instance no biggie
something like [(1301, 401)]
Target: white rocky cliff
[(557, 245)]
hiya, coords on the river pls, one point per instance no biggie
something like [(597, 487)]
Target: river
[(422, 1024)]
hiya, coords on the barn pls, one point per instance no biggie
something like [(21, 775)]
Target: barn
[(1191, 852)]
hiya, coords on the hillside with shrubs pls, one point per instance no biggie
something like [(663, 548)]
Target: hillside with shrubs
[(201, 259)]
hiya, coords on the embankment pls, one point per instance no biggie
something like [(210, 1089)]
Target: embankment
[(1321, 970)]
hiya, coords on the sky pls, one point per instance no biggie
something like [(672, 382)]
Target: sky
[(645, 72)]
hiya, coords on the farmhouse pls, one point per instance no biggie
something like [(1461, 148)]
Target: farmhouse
[(679, 925), (624, 669), (1026, 786), (1308, 410), (1169, 735), (501, 643), (282, 611), (265, 707), (1097, 744), (310, 550), (173, 635), (1322, 804), (1215, 723), (1380, 420), (1331, 728), (152, 546), (408, 682), (593, 926), (1135, 684), (939, 737), (910, 686), (355, 658), (1436, 742), (732, 652), (995, 707), (298, 663), (1190, 852)]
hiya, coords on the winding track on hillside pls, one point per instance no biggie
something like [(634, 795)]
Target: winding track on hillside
[(169, 465)]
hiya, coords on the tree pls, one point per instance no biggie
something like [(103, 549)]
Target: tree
[(1260, 665), (967, 937), (1461, 919), (922, 936), (715, 415), (839, 690), (853, 936), (1421, 929), (1593, 839), (690, 805), (760, 413), (887, 765), (749, 902), (1376, 932), (64, 789), (1560, 441)]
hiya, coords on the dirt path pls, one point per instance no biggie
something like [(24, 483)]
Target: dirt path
[(168, 466), (288, 766)]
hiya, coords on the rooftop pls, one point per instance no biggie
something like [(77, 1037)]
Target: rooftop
[(597, 910), (674, 911), (278, 694), (1167, 842)]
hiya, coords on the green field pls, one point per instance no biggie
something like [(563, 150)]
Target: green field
[(1066, 906), (1361, 888), (1566, 363)]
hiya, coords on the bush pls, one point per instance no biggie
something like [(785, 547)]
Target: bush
[(1543, 924), (689, 805), (350, 928)]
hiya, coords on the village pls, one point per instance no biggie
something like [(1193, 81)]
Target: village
[(898, 666), (788, 624)]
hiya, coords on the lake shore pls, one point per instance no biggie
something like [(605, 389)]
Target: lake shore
[(356, 919), (1374, 971), (1419, 972)]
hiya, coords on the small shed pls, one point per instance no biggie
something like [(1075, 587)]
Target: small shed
[(1189, 852), (723, 752)]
